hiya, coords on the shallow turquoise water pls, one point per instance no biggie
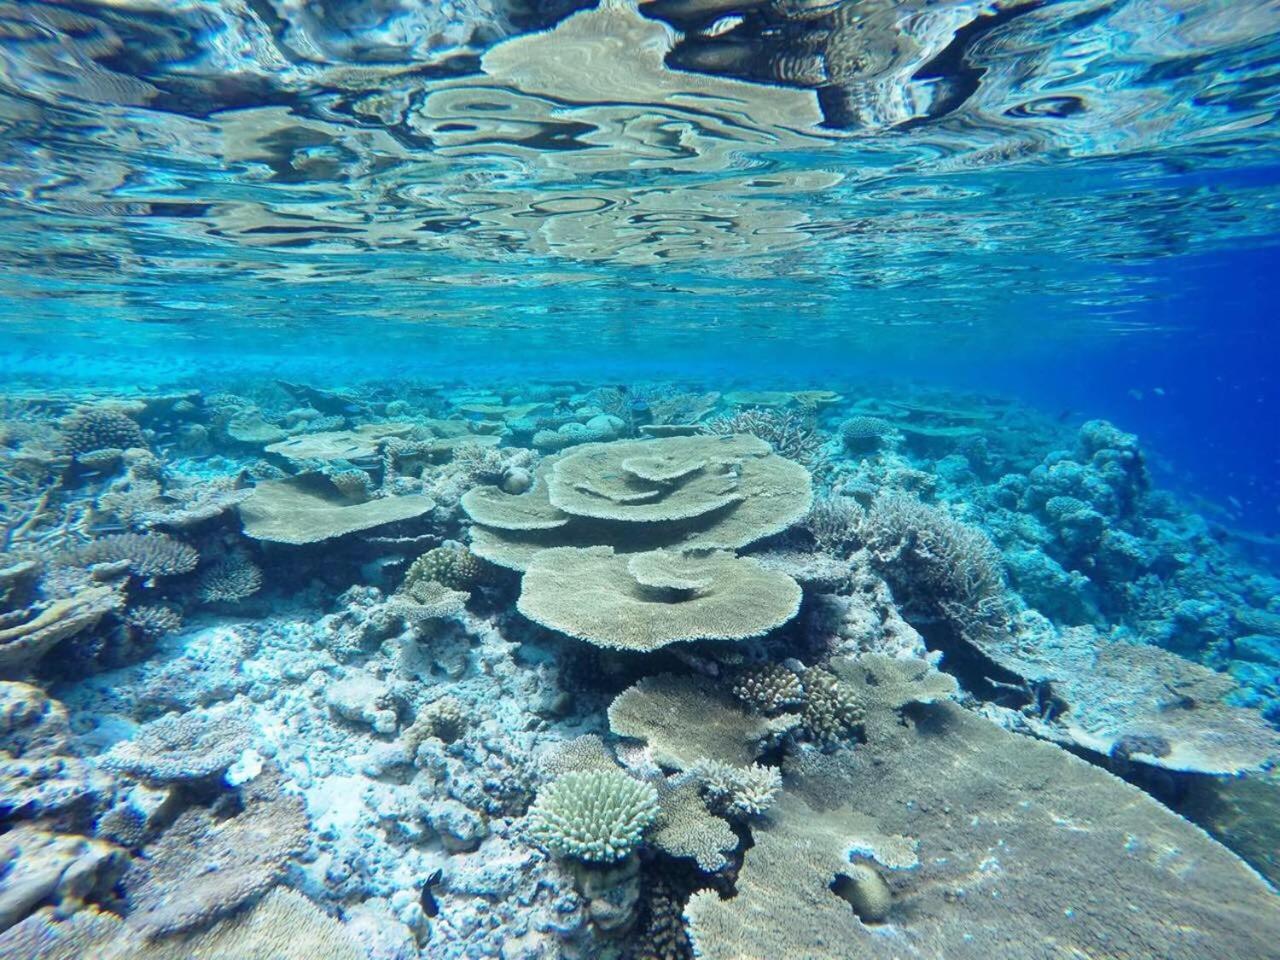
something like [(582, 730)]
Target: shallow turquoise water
[(1003, 274)]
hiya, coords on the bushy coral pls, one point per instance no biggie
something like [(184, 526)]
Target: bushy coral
[(353, 483), (832, 712), (232, 578), (863, 433), (100, 428), (935, 561), (768, 687), (154, 620), (737, 792), (791, 435), (147, 554), (597, 816), (455, 567)]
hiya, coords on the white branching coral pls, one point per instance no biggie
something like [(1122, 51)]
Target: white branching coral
[(599, 816), (737, 792)]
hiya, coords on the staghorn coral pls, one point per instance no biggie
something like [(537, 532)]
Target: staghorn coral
[(100, 428), (454, 567), (147, 554), (648, 600), (154, 620), (596, 816), (738, 793), (792, 435), (232, 578), (183, 747), (768, 687), (938, 563), (832, 712), (834, 523)]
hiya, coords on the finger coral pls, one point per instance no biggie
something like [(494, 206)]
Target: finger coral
[(597, 816)]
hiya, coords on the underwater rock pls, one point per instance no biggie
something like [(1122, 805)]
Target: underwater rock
[(1133, 699), (42, 867)]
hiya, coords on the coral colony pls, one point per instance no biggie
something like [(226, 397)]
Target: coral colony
[(646, 672)]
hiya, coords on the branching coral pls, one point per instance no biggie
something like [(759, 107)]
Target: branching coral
[(832, 711), (232, 578), (147, 554), (155, 620), (455, 567), (938, 563), (768, 687), (792, 435), (738, 793), (597, 816)]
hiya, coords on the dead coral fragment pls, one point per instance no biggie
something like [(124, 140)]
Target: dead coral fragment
[(26, 635), (644, 602), (597, 816), (205, 867), (147, 554)]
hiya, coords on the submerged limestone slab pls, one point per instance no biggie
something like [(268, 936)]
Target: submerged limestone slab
[(309, 509), (1020, 850), (1137, 700)]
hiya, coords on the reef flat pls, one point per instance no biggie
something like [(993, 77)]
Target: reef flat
[(559, 670)]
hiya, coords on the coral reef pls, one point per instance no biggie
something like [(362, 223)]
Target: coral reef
[(565, 671)]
